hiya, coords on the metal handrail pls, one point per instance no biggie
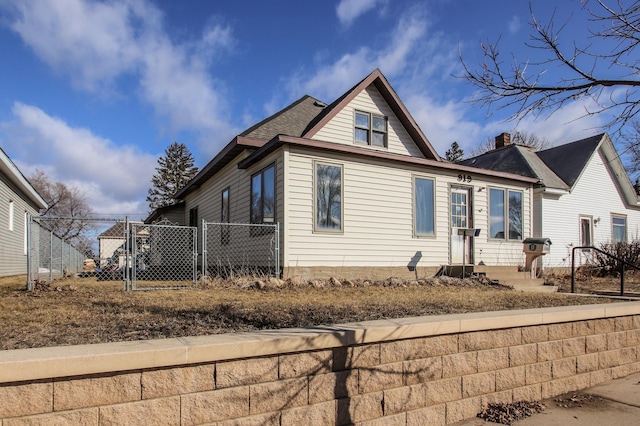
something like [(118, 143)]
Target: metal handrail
[(622, 266)]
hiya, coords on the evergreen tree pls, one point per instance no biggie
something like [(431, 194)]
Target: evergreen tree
[(175, 169), (454, 153)]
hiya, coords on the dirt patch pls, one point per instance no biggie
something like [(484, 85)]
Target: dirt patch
[(580, 400), (84, 310)]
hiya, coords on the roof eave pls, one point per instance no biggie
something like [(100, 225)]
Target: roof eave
[(281, 140), (17, 178), (227, 154)]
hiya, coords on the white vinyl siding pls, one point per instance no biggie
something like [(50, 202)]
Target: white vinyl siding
[(209, 202), (378, 218), (595, 194), (12, 249), (340, 129)]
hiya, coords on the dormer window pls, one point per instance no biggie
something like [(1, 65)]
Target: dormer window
[(371, 129)]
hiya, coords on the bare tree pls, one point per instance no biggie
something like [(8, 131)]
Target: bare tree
[(518, 138), (67, 206), (630, 143), (587, 72)]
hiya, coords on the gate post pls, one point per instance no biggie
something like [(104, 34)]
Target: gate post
[(205, 270)]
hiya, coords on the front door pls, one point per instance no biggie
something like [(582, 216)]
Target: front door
[(460, 215)]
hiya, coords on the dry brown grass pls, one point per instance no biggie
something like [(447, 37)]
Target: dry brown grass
[(83, 310)]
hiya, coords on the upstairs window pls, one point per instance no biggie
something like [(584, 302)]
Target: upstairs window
[(263, 196), (371, 129)]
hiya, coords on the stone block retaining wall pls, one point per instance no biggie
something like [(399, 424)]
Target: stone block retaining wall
[(411, 371)]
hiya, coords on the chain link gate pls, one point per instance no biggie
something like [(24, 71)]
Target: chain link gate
[(163, 254), (240, 249)]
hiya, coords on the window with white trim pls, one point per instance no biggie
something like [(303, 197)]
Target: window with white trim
[(370, 129), (619, 228), (11, 213), (424, 206), (263, 195), (505, 214), (328, 191), (586, 231)]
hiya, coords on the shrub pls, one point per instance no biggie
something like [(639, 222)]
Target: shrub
[(610, 266)]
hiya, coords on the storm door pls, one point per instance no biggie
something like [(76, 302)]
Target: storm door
[(460, 218)]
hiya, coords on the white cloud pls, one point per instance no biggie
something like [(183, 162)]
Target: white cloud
[(97, 43), (114, 178), (349, 10), (329, 81), (514, 24)]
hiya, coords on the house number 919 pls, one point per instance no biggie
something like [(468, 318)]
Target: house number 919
[(464, 178)]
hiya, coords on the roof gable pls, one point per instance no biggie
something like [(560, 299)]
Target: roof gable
[(568, 161), (377, 79)]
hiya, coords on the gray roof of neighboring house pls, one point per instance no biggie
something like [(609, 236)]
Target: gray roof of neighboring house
[(557, 167), (579, 152)]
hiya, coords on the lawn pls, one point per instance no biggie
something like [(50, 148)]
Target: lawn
[(83, 310)]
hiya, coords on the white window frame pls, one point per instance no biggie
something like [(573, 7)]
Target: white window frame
[(316, 227), (505, 213), (261, 173), (26, 232), (615, 216), (12, 208), (370, 129), (588, 218), (415, 207)]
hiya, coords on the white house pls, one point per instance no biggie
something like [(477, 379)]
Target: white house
[(583, 198), (17, 200), (358, 190)]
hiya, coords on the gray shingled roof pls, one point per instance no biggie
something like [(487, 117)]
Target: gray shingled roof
[(291, 121), (569, 160), (557, 167)]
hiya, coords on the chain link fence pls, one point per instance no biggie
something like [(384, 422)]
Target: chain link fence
[(49, 256), (142, 256), (240, 249)]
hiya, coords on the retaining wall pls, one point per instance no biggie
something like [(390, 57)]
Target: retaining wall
[(411, 371)]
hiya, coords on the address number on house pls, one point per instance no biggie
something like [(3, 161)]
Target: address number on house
[(464, 178)]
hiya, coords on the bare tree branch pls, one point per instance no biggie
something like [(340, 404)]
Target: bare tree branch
[(588, 72)]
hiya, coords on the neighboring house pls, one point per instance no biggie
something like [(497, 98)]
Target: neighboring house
[(111, 244), (359, 191), (173, 213), (18, 199), (584, 196)]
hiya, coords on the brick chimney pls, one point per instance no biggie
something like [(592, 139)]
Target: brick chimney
[(502, 140)]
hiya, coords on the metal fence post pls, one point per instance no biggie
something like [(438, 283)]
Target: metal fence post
[(205, 269), (29, 252), (277, 243)]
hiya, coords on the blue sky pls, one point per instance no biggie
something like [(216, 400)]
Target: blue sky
[(92, 92)]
